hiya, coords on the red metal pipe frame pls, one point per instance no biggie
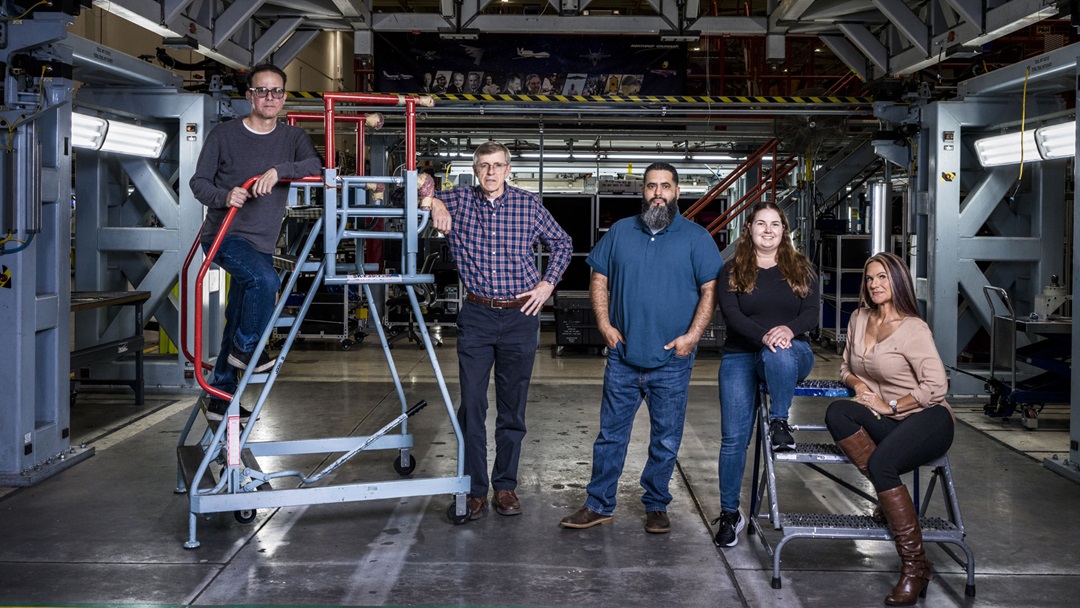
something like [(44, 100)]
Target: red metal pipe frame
[(726, 183), (359, 119), (330, 99), (752, 196)]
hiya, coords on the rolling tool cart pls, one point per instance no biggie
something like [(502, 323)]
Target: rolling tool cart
[(243, 486)]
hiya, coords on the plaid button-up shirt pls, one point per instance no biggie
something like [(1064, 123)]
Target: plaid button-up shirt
[(492, 243)]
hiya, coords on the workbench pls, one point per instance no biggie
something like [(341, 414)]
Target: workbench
[(111, 351)]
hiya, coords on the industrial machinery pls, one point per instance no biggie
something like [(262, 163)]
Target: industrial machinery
[(242, 486), (1050, 352)]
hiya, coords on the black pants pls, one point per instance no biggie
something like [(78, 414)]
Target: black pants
[(902, 445), (505, 339)]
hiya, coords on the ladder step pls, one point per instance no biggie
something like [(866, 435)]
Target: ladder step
[(835, 525), (285, 322), (813, 452), (284, 261), (190, 457)]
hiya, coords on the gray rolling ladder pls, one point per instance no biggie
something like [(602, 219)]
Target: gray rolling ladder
[(945, 531)]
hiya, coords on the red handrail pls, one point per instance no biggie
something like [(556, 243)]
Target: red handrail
[(710, 196), (203, 269), (754, 194)]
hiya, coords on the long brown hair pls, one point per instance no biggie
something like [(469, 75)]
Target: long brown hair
[(794, 266), (903, 289)]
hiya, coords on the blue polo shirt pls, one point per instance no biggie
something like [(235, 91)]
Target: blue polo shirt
[(653, 281)]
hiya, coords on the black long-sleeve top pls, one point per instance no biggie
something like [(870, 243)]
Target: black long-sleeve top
[(748, 316)]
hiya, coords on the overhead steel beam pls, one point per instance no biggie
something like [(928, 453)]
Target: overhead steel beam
[(790, 10), (867, 43), (852, 58), (668, 11), (171, 9), (1059, 65), (232, 18), (147, 14), (99, 65), (906, 22), (273, 38), (554, 24), (972, 11), (355, 11), (1005, 19), (293, 46)]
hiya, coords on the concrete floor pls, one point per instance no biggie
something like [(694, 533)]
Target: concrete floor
[(111, 529)]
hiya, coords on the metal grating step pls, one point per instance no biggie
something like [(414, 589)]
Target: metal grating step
[(812, 452), (834, 525)]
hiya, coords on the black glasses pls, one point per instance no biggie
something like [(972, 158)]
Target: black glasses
[(262, 92)]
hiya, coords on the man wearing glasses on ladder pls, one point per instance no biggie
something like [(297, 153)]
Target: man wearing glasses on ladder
[(233, 152), (495, 227)]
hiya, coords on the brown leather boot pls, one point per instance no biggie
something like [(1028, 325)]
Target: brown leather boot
[(858, 448), (915, 571)]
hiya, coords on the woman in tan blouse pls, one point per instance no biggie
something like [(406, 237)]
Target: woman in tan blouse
[(899, 419)]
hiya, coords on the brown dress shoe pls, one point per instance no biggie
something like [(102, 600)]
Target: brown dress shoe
[(506, 502), (585, 518), (476, 505), (657, 522)]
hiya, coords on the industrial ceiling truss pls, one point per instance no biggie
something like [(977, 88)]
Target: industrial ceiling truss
[(874, 38)]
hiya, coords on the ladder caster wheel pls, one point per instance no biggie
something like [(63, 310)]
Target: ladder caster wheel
[(405, 470), (346, 344), (454, 518), (245, 516), (775, 582)]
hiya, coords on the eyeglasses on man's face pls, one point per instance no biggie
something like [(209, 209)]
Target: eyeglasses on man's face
[(486, 167), (262, 92)]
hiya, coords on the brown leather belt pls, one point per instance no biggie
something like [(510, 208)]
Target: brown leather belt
[(495, 303)]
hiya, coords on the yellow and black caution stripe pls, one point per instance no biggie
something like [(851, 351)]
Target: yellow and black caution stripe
[(755, 100), (661, 99)]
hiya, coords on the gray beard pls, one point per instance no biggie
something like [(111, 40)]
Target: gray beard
[(658, 218)]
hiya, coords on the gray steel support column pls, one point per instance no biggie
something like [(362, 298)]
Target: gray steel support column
[(116, 231), (1071, 467), (36, 298)]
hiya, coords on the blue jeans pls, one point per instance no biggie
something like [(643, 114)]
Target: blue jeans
[(738, 378), (665, 390), (252, 296), (505, 338)]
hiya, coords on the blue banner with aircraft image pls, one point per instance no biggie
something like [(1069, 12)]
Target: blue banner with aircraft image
[(529, 65)]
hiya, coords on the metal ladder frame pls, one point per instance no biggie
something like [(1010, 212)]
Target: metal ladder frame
[(227, 442), (855, 527)]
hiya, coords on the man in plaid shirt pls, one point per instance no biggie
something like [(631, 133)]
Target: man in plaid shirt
[(495, 227)]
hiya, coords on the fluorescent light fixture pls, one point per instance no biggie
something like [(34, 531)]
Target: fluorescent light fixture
[(87, 131), (1044, 143), (1057, 141), (93, 133)]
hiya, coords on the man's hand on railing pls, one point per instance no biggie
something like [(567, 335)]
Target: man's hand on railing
[(265, 183), (237, 197)]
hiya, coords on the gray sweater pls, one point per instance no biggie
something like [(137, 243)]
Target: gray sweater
[(231, 155)]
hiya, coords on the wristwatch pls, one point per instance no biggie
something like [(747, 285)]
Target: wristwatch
[(892, 406)]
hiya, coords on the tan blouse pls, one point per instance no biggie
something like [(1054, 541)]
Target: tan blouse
[(906, 362)]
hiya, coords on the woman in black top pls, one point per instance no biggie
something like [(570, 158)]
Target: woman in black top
[(768, 294)]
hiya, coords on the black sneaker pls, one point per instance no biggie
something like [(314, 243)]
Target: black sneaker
[(730, 526), (216, 410), (780, 436), (240, 360)]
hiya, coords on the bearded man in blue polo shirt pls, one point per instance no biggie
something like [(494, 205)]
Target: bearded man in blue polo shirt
[(653, 292)]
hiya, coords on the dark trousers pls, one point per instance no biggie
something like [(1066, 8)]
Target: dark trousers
[(902, 445), (505, 339)]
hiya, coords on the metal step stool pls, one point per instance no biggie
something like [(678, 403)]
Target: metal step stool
[(944, 532)]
